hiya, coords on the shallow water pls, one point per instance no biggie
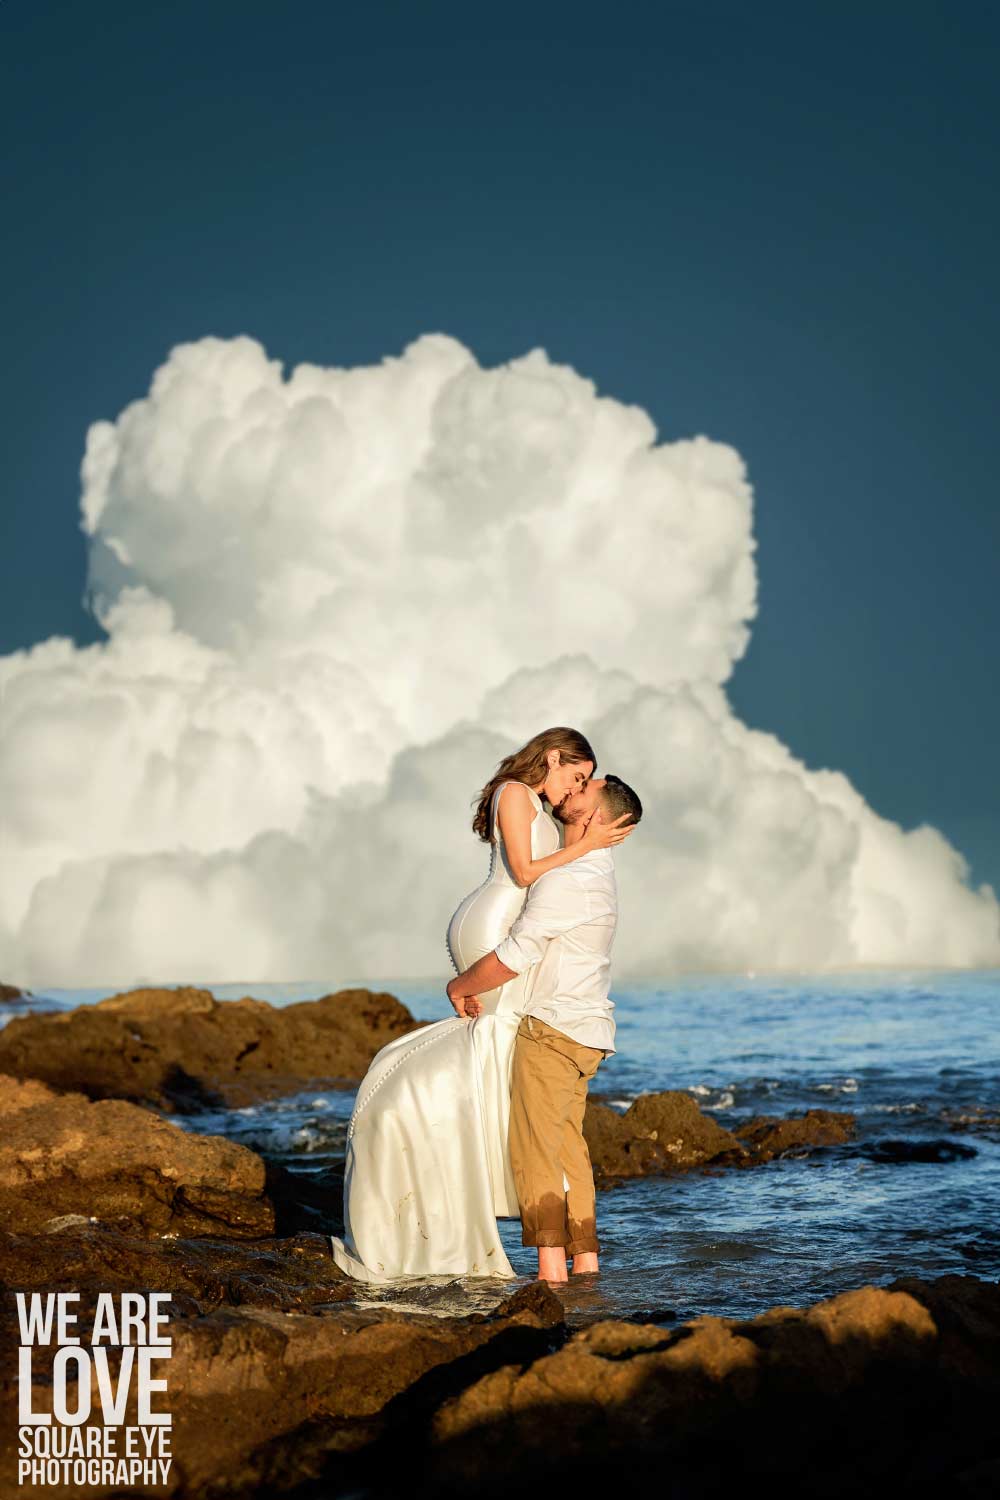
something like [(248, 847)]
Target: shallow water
[(910, 1054)]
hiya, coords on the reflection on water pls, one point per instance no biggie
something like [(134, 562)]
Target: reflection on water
[(916, 1058)]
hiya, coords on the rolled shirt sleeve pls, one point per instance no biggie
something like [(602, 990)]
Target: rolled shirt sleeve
[(553, 906)]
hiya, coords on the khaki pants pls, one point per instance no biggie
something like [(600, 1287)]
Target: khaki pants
[(549, 1079)]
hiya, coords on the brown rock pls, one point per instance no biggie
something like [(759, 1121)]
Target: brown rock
[(261, 1398), (659, 1133), (875, 1386), (614, 1151), (200, 1272), (879, 1390), (24, 1093), (667, 1132), (686, 1136), (967, 1316), (183, 1049), (769, 1136), (9, 992), (62, 1155)]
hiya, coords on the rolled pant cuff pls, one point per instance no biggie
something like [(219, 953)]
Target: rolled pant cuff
[(582, 1247), (547, 1238)]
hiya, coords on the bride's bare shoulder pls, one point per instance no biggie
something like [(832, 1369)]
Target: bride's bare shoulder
[(519, 794), (513, 804)]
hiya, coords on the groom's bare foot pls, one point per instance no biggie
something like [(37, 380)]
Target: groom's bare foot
[(585, 1260), (552, 1263)]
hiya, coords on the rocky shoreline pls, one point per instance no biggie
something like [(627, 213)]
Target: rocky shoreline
[(182, 1050), (278, 1385)]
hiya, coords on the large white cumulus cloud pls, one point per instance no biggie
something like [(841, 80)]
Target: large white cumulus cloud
[(333, 602)]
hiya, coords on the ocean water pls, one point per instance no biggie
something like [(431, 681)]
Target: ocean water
[(915, 1056)]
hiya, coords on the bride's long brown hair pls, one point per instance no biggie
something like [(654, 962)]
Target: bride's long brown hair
[(529, 765)]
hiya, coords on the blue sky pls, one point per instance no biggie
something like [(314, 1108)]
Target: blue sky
[(775, 225)]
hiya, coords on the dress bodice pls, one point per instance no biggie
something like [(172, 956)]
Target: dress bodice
[(544, 838), (488, 913)]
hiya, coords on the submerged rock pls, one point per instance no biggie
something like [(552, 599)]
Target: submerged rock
[(899, 1153), (65, 1160), (977, 1119), (184, 1050)]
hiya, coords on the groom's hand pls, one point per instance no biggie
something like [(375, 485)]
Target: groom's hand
[(466, 1006)]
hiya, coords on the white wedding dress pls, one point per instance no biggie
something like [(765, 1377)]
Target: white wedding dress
[(428, 1171)]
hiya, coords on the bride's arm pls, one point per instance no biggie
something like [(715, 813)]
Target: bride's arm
[(515, 812)]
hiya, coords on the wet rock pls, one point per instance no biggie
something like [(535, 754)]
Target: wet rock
[(768, 1136), (685, 1135), (667, 1132), (63, 1156), (661, 1132), (614, 1151), (183, 1050), (9, 992), (200, 1272)]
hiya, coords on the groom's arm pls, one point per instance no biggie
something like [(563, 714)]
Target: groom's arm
[(557, 902), (487, 973)]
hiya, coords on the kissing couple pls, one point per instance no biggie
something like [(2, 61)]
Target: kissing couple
[(480, 1117)]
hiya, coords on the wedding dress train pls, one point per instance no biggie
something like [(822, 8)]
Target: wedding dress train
[(428, 1170)]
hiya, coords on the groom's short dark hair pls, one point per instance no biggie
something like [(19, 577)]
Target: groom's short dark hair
[(617, 798)]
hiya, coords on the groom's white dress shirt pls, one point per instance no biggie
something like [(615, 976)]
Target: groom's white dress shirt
[(566, 927)]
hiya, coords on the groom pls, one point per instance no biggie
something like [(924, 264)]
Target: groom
[(566, 928)]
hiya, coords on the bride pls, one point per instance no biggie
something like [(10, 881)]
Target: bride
[(428, 1172)]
